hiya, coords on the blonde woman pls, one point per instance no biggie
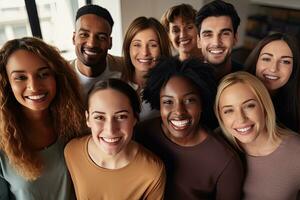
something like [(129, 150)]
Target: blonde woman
[(246, 115)]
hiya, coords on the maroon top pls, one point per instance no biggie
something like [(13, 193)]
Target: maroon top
[(209, 170)]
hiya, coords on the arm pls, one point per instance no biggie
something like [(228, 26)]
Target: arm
[(157, 188), (4, 190), (230, 183)]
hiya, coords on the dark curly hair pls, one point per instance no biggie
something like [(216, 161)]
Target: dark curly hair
[(199, 73)]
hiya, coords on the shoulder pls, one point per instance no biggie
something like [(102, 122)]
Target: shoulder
[(148, 161), (235, 66), (72, 63), (115, 63), (75, 146)]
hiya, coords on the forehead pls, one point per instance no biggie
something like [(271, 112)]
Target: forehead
[(145, 34), (93, 22), (24, 60), (180, 20), (178, 86), (278, 47), (236, 94), (216, 24), (109, 100)]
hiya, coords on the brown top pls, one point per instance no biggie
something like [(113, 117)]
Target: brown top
[(142, 178), (209, 170)]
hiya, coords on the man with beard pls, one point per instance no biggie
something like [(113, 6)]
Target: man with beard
[(217, 24), (92, 39)]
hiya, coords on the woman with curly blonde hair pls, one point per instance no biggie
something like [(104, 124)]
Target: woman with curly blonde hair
[(41, 109)]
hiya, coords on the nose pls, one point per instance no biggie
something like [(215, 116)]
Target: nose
[(110, 127), (216, 40), (241, 116), (91, 41), (182, 33), (33, 84), (274, 66), (180, 109), (145, 50)]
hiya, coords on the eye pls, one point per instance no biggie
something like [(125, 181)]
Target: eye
[(20, 77), (207, 34), (153, 45), (102, 37), (121, 117), (175, 30), (189, 100), (99, 117), (167, 102), (286, 62), (228, 111), (83, 35), (136, 44), (226, 33), (44, 74), (266, 59), (250, 105), (190, 27)]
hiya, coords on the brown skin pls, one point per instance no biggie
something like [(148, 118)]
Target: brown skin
[(92, 40), (180, 109)]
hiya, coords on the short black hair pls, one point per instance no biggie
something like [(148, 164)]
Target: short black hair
[(215, 9), (199, 73), (96, 10), (119, 86)]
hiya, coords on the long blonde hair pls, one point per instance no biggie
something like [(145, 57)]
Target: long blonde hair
[(66, 109), (263, 97)]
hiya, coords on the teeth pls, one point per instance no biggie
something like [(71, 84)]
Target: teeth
[(180, 123), (36, 97), (145, 60), (111, 140), (92, 53), (271, 77), (216, 51), (244, 129), (183, 42)]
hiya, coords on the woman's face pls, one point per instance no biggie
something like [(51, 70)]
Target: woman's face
[(275, 64), (180, 109), (32, 81), (183, 35), (241, 113), (111, 119), (144, 50)]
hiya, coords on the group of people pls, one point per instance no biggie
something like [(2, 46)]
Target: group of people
[(173, 118)]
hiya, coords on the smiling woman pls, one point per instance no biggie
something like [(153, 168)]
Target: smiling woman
[(35, 95), (247, 117), (108, 164), (182, 136), (275, 61)]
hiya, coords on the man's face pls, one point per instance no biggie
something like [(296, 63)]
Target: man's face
[(92, 39), (216, 39)]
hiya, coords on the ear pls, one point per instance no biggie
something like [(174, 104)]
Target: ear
[(73, 38), (87, 118), (110, 42), (198, 41), (236, 38)]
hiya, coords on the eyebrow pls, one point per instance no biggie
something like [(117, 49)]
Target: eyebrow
[(189, 93), (120, 111), (138, 40), (226, 106), (269, 54), (22, 71), (100, 33)]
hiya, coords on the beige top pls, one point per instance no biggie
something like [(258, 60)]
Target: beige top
[(277, 175), (143, 178)]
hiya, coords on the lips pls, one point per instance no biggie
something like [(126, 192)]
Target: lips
[(270, 77), (114, 140), (244, 130), (180, 124), (184, 42), (90, 52), (146, 60), (216, 51), (37, 98)]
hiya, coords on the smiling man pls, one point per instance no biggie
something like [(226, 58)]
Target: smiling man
[(217, 24), (92, 40)]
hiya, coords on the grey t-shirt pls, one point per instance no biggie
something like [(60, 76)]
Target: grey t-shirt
[(53, 184)]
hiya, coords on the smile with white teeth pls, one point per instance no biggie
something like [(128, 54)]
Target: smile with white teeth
[(216, 51), (36, 97), (146, 60), (184, 42), (111, 140), (244, 129), (180, 123), (271, 77), (90, 52)]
